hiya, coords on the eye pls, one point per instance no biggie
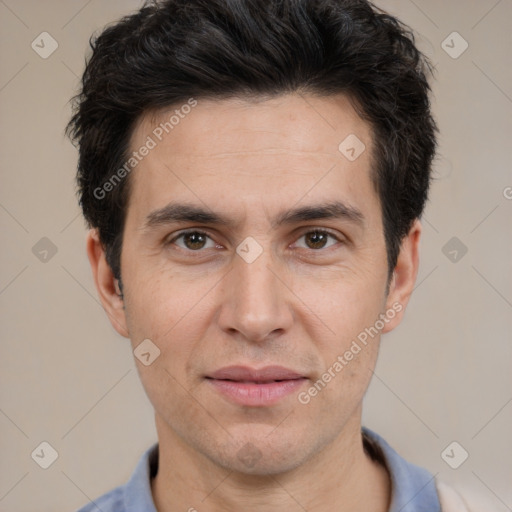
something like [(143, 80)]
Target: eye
[(193, 240), (318, 239)]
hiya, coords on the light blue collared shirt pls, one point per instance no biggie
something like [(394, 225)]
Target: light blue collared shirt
[(413, 489)]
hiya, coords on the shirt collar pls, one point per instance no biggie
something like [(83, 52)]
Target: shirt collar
[(413, 489), (137, 492)]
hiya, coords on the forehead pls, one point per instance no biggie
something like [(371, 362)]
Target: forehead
[(236, 152), (294, 122)]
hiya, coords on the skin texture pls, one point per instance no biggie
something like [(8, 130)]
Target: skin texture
[(298, 305)]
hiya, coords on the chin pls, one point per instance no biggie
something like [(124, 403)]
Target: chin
[(262, 457)]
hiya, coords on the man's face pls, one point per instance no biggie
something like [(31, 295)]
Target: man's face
[(296, 295)]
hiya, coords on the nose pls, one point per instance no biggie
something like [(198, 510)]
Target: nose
[(255, 300)]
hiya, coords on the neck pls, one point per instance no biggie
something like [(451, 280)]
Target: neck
[(341, 477)]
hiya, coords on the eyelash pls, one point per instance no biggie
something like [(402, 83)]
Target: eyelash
[(203, 233)]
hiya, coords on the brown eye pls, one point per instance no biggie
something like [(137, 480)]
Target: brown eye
[(317, 239), (193, 240)]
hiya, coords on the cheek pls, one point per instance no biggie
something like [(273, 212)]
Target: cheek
[(341, 324), (169, 315), (340, 308), (174, 313), (156, 300)]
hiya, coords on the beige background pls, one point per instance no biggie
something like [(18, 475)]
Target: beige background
[(68, 379)]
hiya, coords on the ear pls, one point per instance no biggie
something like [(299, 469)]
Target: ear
[(106, 284), (404, 276)]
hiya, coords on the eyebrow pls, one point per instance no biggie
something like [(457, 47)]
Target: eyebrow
[(180, 212)]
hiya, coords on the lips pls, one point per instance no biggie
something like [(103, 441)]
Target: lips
[(245, 374), (255, 387)]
